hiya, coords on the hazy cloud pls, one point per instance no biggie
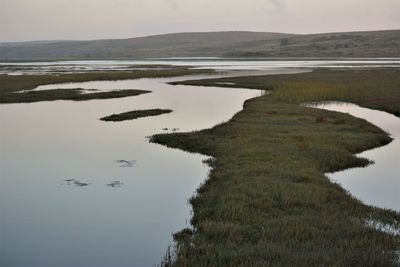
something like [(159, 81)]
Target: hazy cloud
[(91, 19), (279, 5)]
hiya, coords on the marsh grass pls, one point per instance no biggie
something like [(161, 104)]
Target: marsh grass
[(267, 201), (371, 88), (135, 114), (16, 89), (67, 94)]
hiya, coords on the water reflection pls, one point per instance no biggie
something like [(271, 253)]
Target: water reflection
[(377, 184), (201, 63), (114, 213)]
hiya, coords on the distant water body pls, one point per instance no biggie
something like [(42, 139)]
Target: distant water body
[(13, 68)]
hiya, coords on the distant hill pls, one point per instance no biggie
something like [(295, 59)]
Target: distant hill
[(213, 44)]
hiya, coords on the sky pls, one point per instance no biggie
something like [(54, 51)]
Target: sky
[(26, 20)]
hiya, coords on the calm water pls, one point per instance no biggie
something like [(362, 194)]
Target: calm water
[(377, 184), (46, 221), (201, 63)]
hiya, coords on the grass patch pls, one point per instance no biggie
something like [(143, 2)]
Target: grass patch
[(267, 201), (11, 86), (372, 88), (131, 115), (67, 94)]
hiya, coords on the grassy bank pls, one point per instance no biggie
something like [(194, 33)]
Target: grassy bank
[(375, 88), (136, 114), (66, 94), (11, 86), (267, 201)]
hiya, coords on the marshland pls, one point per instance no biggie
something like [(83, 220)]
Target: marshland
[(199, 133), (253, 189)]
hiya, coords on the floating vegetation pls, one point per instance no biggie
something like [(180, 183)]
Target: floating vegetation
[(126, 163), (115, 184), (80, 184), (76, 182)]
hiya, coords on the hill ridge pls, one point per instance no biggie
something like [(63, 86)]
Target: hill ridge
[(377, 43)]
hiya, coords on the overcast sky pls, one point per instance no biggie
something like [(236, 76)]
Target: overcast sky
[(92, 19)]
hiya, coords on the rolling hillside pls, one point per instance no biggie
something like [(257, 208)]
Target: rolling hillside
[(213, 44)]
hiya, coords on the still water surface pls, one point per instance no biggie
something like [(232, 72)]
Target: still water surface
[(19, 68), (47, 221), (377, 184)]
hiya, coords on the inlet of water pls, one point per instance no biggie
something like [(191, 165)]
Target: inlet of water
[(377, 184), (58, 160)]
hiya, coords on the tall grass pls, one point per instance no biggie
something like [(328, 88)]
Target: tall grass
[(267, 201)]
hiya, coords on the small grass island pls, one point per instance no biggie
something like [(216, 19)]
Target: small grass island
[(135, 114)]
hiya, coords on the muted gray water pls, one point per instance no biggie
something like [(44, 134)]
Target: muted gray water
[(47, 221), (377, 184), (200, 63)]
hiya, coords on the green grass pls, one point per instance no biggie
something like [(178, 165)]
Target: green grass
[(267, 201), (11, 86), (373, 88), (66, 94), (136, 114)]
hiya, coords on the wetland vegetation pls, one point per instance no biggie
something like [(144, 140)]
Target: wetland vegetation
[(68, 94), (370, 88), (135, 114), (18, 88), (267, 201)]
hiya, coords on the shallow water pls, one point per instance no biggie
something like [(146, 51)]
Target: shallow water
[(48, 221), (377, 184), (200, 63)]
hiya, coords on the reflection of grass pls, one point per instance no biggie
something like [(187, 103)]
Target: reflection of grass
[(267, 201), (131, 115), (11, 85), (377, 89)]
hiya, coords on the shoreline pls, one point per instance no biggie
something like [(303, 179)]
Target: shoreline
[(20, 89), (362, 183), (254, 188)]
